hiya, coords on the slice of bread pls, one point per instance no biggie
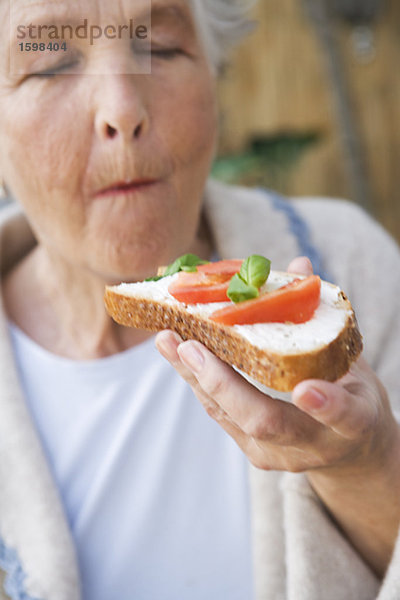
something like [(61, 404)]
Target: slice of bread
[(277, 355)]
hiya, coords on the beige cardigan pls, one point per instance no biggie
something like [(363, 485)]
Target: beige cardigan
[(298, 552)]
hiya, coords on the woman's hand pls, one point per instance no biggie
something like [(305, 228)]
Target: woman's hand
[(342, 434)]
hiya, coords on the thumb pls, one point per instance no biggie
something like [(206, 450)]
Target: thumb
[(301, 265), (351, 415)]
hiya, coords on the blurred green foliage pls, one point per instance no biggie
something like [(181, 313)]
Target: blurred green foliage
[(268, 161)]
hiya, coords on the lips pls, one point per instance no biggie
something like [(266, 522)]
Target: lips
[(126, 187)]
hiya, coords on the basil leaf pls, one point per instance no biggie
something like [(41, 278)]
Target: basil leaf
[(189, 269), (185, 262), (157, 278), (255, 270), (239, 290)]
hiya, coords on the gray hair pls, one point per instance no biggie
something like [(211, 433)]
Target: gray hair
[(221, 25)]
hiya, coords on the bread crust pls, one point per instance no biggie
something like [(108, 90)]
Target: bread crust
[(274, 370)]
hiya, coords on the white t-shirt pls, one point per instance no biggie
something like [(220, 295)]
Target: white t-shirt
[(156, 494)]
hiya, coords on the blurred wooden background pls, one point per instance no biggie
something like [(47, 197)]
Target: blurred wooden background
[(280, 84)]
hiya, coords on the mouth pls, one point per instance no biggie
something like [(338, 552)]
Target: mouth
[(126, 187)]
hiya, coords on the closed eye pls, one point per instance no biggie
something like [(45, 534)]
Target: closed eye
[(56, 70), (159, 51), (167, 53)]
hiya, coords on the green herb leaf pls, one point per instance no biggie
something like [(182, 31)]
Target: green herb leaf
[(239, 290), (157, 278), (255, 270), (185, 262), (253, 274)]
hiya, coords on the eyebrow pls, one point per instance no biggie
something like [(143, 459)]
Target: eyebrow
[(173, 12), (159, 12), (58, 11)]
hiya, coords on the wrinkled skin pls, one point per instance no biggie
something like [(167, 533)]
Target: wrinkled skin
[(66, 136), (67, 139)]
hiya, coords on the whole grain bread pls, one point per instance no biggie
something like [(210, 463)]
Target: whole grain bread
[(277, 370)]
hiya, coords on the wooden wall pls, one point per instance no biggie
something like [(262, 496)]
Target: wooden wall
[(279, 82)]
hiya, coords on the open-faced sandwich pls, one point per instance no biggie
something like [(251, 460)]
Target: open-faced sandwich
[(278, 328)]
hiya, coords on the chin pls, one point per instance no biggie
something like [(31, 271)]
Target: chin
[(128, 268), (127, 272), (134, 260)]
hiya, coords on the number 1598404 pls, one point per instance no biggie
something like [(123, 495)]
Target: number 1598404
[(42, 46)]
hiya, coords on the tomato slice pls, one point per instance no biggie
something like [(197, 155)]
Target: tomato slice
[(208, 284), (295, 303), (199, 288), (222, 267)]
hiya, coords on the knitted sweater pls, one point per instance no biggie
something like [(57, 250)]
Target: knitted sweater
[(298, 552)]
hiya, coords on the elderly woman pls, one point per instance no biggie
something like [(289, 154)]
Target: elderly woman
[(114, 482)]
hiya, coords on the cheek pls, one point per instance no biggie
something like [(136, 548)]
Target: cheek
[(39, 138), (190, 135), (44, 163)]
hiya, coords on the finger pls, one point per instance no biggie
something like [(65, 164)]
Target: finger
[(351, 415), (259, 416), (301, 265), (167, 342)]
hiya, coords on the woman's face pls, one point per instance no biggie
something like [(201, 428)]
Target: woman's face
[(109, 167)]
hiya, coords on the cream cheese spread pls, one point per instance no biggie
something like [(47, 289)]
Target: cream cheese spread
[(286, 338)]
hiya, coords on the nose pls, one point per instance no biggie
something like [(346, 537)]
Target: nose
[(121, 111)]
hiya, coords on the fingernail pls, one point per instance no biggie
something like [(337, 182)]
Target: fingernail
[(313, 400), (168, 344), (191, 356)]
